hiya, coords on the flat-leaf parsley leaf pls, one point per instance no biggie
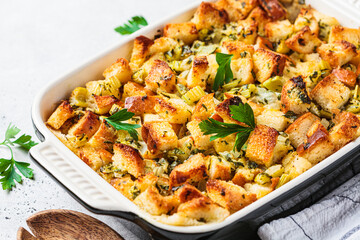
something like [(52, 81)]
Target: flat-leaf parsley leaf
[(242, 113), (123, 115), (8, 173), (224, 72), (135, 23)]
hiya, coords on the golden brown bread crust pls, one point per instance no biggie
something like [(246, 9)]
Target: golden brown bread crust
[(337, 53), (223, 109), (120, 70), (330, 93), (204, 108), (104, 103), (160, 77), (140, 104), (208, 16), (197, 75), (261, 17), (104, 137), (129, 159), (347, 77), (268, 64), (135, 89), (298, 129), (261, 145), (304, 41), (191, 171), (294, 96), (140, 52), (186, 32), (274, 9), (237, 48), (317, 145), (62, 113), (229, 195), (187, 192), (237, 10), (159, 136), (345, 129), (86, 126)]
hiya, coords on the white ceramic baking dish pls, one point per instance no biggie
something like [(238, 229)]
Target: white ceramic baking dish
[(99, 196)]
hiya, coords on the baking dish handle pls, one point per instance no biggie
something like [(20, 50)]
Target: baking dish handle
[(81, 181)]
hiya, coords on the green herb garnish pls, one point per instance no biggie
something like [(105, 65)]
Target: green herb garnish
[(123, 115), (242, 113), (224, 73), (8, 166), (134, 24)]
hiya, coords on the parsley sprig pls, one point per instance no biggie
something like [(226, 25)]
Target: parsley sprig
[(135, 23), (116, 121), (224, 72), (8, 166), (242, 113)]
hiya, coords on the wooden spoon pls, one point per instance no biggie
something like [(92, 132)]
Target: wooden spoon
[(61, 224)]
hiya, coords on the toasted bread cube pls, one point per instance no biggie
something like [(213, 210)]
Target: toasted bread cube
[(274, 9), (295, 165), (204, 108), (238, 48), (247, 31), (330, 93), (268, 64), (260, 190), (140, 52), (208, 16), (237, 10), (347, 77), (243, 70), (261, 18), (128, 159), (262, 42), (154, 203), (304, 41), (173, 110), (273, 118), (159, 136), (225, 144), (186, 32), (160, 77), (345, 130), (95, 158), (294, 96), (244, 175), (351, 35), (317, 145), (279, 30), (135, 89), (298, 129), (187, 192), (306, 18), (141, 104), (201, 141), (163, 44), (261, 145), (223, 109), (62, 113), (103, 104), (198, 73), (191, 171), (104, 137), (119, 70), (337, 53), (86, 126), (229, 195), (218, 168), (201, 209)]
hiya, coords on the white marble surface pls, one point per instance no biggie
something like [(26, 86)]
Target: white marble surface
[(40, 40)]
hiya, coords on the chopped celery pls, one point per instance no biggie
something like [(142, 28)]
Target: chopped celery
[(274, 84)]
